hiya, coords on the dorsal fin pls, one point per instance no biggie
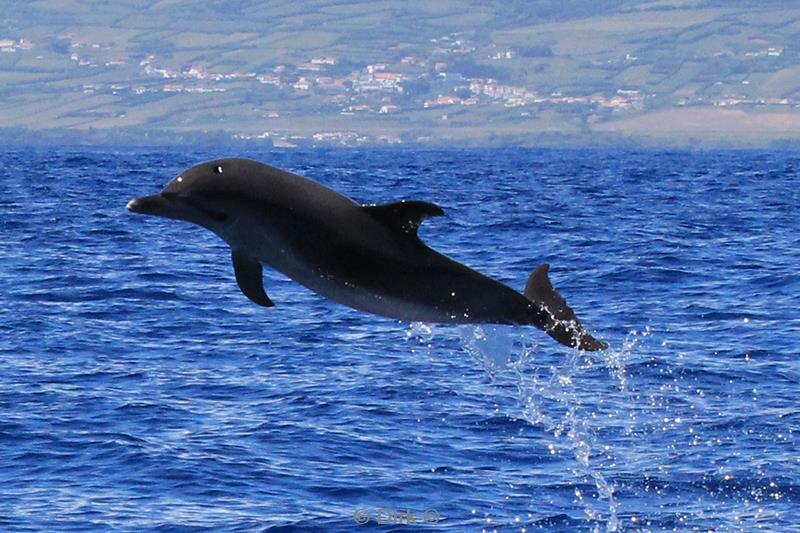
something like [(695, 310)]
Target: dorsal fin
[(405, 215)]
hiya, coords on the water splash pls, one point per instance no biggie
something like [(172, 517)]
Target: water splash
[(491, 348), (549, 397)]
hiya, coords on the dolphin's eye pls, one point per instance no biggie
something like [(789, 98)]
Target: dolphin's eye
[(218, 170)]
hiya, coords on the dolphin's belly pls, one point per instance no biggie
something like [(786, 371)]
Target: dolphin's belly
[(454, 303), (407, 282), (442, 293), (388, 305), (366, 297)]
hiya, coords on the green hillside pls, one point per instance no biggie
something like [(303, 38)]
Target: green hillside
[(680, 72)]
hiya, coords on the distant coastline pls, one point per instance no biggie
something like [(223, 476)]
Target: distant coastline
[(580, 74), (628, 138)]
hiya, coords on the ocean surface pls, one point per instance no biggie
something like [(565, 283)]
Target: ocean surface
[(141, 391)]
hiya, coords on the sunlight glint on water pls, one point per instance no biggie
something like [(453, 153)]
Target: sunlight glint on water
[(140, 390)]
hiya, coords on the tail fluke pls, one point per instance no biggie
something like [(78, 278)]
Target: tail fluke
[(562, 324)]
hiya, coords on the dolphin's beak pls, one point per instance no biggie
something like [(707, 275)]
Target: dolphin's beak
[(150, 205)]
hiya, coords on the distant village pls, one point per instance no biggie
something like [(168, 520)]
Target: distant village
[(378, 88)]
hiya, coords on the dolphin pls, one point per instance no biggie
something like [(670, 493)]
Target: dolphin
[(367, 257)]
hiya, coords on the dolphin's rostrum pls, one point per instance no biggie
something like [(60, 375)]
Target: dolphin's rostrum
[(366, 257)]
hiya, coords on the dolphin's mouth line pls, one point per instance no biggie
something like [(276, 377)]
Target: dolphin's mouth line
[(154, 204), (165, 204)]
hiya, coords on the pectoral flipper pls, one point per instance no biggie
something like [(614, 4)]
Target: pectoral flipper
[(249, 277)]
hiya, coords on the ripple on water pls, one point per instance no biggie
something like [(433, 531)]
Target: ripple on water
[(141, 391)]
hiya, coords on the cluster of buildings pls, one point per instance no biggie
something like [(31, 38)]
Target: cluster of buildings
[(378, 88), (14, 45), (383, 88), (149, 67), (733, 100), (482, 90), (343, 137), (772, 51), (434, 79), (77, 45)]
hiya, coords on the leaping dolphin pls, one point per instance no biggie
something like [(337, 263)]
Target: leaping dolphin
[(367, 257)]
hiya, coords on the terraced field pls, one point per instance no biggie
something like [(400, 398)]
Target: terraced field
[(408, 71)]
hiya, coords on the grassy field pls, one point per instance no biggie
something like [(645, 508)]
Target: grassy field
[(713, 127), (687, 59)]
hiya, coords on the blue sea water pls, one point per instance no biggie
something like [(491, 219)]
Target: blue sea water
[(140, 390)]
